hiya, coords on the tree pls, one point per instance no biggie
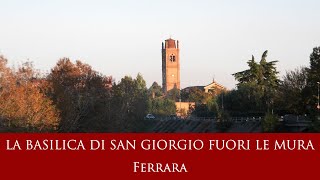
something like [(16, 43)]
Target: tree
[(241, 102), (6, 75), (270, 123), (155, 90), (313, 78), (24, 106), (80, 94), (223, 122), (129, 104), (161, 106), (173, 94), (196, 95), (261, 79), (158, 104), (290, 98)]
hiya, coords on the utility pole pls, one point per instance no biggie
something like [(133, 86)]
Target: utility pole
[(318, 106), (180, 103)]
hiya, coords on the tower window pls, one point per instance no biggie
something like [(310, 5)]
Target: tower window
[(172, 58)]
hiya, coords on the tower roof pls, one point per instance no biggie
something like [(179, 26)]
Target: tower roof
[(170, 43)]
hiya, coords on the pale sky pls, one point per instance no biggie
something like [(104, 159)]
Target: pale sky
[(123, 37)]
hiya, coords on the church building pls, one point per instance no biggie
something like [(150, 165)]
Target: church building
[(171, 76)]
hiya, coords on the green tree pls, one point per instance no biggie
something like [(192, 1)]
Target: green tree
[(161, 106), (270, 123), (158, 104), (313, 79), (130, 102), (241, 102), (261, 79), (173, 94), (213, 105), (223, 122), (196, 95), (155, 90), (290, 97)]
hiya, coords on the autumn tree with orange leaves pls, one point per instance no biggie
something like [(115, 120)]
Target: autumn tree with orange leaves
[(24, 106)]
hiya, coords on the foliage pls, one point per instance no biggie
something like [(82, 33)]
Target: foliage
[(223, 122), (213, 106), (310, 93), (161, 106), (202, 110), (23, 104), (77, 90), (130, 102), (290, 97), (208, 109), (155, 90), (76, 98), (259, 83), (240, 102), (270, 123), (72, 98), (313, 79), (194, 94), (173, 94)]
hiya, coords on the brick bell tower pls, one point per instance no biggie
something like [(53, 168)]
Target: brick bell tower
[(170, 65)]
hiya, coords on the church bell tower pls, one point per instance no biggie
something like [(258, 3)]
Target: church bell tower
[(170, 65)]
